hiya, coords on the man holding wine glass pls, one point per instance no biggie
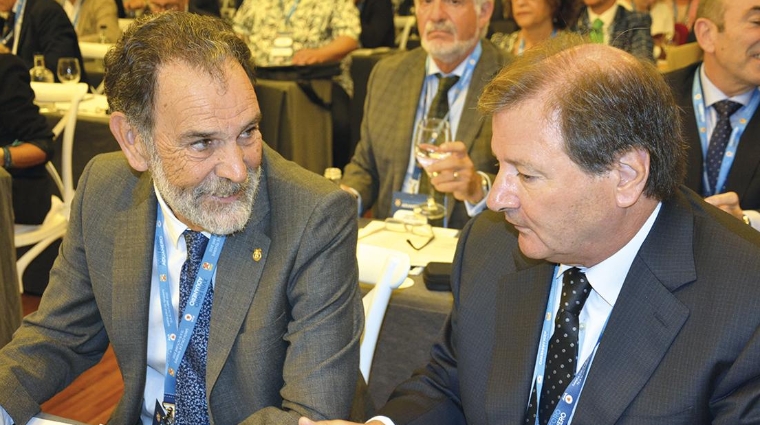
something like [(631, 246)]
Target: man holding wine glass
[(441, 80)]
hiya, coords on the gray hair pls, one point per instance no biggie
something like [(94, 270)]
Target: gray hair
[(605, 103), (132, 66)]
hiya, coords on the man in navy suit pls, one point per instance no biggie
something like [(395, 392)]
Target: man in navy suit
[(724, 30), (590, 164)]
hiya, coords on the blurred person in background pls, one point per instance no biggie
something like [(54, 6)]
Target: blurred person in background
[(724, 153), (377, 23), (201, 7), (538, 20), (298, 32), (32, 27), (607, 22), (94, 20), (400, 92), (26, 140)]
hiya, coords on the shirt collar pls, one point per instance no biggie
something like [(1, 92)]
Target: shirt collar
[(173, 227), (608, 276), (607, 17), (712, 93)]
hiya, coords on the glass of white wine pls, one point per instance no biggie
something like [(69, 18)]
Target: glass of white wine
[(429, 135), (68, 70)]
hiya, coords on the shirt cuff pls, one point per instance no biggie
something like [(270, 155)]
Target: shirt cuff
[(475, 209), (754, 218), (5, 418), (383, 419), (358, 199)]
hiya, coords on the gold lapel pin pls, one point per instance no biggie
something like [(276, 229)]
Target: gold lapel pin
[(257, 254)]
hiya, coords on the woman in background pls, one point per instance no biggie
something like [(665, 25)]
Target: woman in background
[(538, 20)]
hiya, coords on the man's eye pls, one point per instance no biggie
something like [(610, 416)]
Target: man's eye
[(525, 177), (202, 145)]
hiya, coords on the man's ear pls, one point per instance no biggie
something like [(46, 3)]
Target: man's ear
[(632, 169), (129, 141), (705, 31), (485, 12)]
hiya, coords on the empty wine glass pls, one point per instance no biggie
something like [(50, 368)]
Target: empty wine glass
[(68, 70), (430, 134)]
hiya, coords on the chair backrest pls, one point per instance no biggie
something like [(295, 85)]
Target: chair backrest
[(386, 269), (72, 94), (677, 57), (403, 25)]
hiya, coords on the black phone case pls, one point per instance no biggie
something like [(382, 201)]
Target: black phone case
[(437, 276)]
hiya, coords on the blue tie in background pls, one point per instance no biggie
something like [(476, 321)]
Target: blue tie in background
[(718, 142), (191, 377)]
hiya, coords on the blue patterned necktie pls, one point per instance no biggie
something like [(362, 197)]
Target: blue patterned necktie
[(191, 405), (718, 142), (562, 355)]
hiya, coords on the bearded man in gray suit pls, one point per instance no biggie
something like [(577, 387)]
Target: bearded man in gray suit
[(399, 93), (283, 313)]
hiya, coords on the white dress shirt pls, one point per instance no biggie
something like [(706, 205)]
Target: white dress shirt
[(606, 279)]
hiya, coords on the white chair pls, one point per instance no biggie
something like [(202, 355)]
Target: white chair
[(403, 25), (386, 269), (56, 221)]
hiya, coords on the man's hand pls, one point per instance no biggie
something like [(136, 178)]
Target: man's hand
[(456, 174), (728, 202), (307, 421)]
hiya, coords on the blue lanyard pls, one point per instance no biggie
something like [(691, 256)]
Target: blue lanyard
[(738, 124), (289, 14), (19, 12), (178, 337), (566, 406)]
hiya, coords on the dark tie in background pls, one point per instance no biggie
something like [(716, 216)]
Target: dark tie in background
[(718, 142), (191, 377), (597, 31), (562, 355), (439, 108)]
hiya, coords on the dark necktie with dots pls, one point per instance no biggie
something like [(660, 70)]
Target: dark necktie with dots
[(718, 142), (562, 355), (192, 408)]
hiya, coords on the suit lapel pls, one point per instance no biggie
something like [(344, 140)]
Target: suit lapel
[(521, 304), (746, 165), (412, 86), (645, 320), (239, 272), (689, 127)]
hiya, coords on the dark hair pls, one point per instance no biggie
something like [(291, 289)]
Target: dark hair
[(714, 10), (132, 65), (604, 101), (564, 12)]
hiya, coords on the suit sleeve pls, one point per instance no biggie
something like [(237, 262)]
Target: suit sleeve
[(432, 395), (361, 173), (322, 362), (63, 338)]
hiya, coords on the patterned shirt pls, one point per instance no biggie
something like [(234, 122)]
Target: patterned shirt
[(312, 23)]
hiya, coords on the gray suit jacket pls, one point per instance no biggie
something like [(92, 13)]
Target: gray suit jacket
[(379, 164), (681, 346), (285, 329), (744, 177), (631, 31)]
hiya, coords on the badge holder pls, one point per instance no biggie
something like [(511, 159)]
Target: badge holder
[(282, 49)]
